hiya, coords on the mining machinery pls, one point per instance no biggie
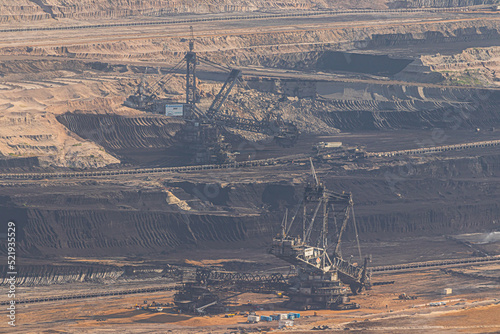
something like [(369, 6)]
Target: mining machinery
[(147, 97), (212, 288), (322, 276), (285, 133), (321, 270), (195, 298), (202, 131), (243, 282)]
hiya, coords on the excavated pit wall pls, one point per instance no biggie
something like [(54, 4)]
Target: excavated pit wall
[(463, 34), (447, 118), (42, 10), (35, 10), (415, 199), (440, 3), (15, 163), (35, 275), (366, 106), (261, 48), (377, 92), (119, 132), (439, 197), (318, 50), (329, 61)]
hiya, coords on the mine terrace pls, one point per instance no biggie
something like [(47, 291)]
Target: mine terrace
[(251, 166)]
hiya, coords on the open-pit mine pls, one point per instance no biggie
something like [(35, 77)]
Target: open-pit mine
[(180, 166)]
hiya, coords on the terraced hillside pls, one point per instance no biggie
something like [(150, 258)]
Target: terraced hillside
[(365, 79), (393, 198), (36, 10), (118, 132), (440, 3), (26, 10)]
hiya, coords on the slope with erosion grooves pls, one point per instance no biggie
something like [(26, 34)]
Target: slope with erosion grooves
[(273, 48), (469, 58), (118, 132), (403, 108), (472, 66), (395, 107), (246, 46), (448, 118), (414, 197), (320, 58), (39, 90), (29, 130), (365, 106), (72, 91), (129, 232), (439, 196), (26, 134), (371, 95), (14, 10), (36, 275), (21, 10)]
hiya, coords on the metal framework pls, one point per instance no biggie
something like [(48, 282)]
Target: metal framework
[(243, 281), (319, 282), (285, 133), (211, 288), (201, 133), (221, 97), (320, 269), (191, 90)]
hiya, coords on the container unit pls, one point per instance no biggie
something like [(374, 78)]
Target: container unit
[(174, 110), (253, 318), (294, 315), (265, 318), (285, 323)]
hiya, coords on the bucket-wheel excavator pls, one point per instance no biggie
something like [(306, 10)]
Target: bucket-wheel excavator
[(322, 272), (201, 132)]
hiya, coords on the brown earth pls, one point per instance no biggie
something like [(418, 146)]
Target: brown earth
[(472, 308), (49, 10), (54, 85), (375, 80)]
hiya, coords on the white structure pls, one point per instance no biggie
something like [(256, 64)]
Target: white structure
[(447, 291), (175, 110), (285, 323), (253, 318)]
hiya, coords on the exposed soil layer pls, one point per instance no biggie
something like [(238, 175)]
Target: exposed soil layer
[(325, 60), (38, 275), (26, 10), (61, 98), (416, 196), (123, 132), (439, 3), (143, 140), (360, 63), (471, 308), (239, 44)]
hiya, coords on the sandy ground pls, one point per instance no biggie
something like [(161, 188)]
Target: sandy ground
[(472, 308), (30, 101), (33, 91)]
